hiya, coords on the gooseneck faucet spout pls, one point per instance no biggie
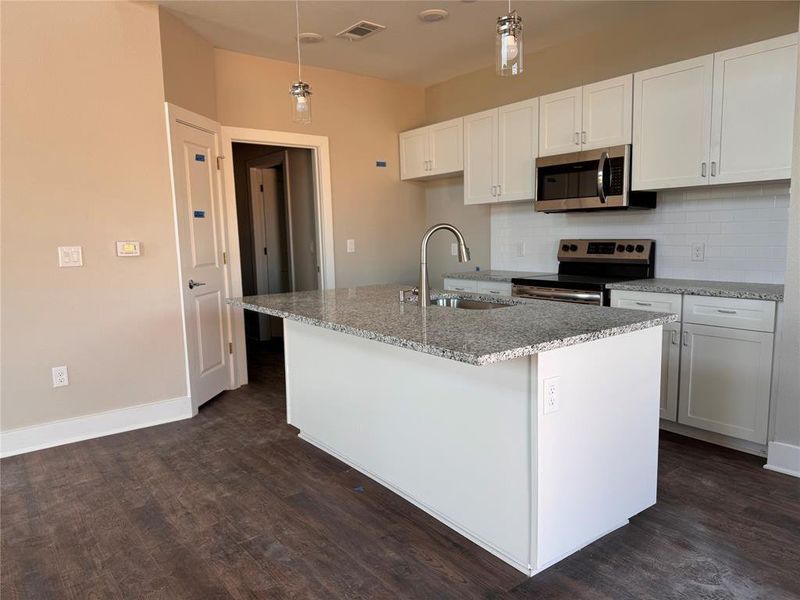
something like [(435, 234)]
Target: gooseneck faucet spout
[(463, 256)]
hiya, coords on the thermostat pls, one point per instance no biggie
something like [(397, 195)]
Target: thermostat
[(128, 248)]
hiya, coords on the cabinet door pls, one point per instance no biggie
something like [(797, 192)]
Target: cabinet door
[(670, 370), (725, 381), (518, 145), (414, 153), (672, 124), (446, 147), (607, 113), (753, 114), (460, 285), (480, 157), (560, 122)]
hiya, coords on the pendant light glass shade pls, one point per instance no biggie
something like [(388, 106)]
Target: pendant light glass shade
[(509, 44), (300, 90), (301, 102)]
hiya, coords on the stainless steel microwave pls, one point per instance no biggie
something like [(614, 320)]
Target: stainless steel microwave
[(589, 180)]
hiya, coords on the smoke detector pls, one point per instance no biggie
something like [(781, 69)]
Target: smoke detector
[(360, 30), (309, 38), (432, 15)]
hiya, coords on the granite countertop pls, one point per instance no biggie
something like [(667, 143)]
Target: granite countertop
[(477, 337), (692, 287), (491, 275)]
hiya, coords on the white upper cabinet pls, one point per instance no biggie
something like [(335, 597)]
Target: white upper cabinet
[(480, 157), (446, 147), (753, 111), (432, 151), (518, 137), (597, 115), (722, 118), (560, 122), (414, 153), (500, 147), (672, 124), (607, 113)]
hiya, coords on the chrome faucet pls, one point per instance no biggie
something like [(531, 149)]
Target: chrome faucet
[(463, 256)]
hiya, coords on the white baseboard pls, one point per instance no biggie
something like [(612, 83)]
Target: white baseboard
[(67, 431), (783, 458)]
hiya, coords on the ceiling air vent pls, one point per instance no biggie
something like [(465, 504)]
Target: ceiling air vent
[(360, 30)]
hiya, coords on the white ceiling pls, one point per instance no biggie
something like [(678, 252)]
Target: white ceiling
[(408, 50)]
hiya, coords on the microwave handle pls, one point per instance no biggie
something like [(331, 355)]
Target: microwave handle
[(601, 171)]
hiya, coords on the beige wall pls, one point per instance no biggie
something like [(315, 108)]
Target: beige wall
[(84, 154), (361, 117), (188, 63), (670, 32)]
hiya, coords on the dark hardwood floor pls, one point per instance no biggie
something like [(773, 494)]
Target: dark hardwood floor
[(231, 504)]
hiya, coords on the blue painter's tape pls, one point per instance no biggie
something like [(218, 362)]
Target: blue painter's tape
[(200, 158), (380, 163), (199, 214)]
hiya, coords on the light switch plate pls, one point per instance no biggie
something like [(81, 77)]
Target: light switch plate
[(70, 256), (351, 246), (454, 249), (129, 248)]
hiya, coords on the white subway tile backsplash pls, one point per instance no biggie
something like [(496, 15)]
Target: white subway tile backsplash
[(744, 228)]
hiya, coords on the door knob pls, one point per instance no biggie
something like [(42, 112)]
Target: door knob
[(193, 284)]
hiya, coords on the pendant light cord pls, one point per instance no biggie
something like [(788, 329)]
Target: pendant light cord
[(509, 5), (297, 24)]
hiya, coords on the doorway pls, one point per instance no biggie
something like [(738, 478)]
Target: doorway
[(278, 232)]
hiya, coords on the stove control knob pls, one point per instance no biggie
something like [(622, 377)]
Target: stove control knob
[(565, 248), (629, 248), (620, 248), (639, 248), (573, 247)]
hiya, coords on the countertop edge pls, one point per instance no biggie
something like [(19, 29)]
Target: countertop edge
[(471, 359), (696, 291)]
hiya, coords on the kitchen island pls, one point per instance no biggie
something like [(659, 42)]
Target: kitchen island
[(532, 428)]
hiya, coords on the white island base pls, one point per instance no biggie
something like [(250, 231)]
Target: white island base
[(474, 447)]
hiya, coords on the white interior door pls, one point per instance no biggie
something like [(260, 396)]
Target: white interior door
[(753, 115), (607, 113), (672, 124), (480, 157), (518, 146), (198, 213), (560, 122)]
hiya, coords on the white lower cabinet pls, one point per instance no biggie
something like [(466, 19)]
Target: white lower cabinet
[(489, 288), (460, 285), (725, 380), (670, 371)]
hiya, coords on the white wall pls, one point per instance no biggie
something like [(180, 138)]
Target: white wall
[(744, 228)]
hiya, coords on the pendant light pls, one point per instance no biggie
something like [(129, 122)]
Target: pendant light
[(300, 90), (509, 43)]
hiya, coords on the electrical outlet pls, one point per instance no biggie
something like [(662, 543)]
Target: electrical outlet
[(521, 251), (60, 376), (699, 252), (454, 249), (351, 246), (552, 397)]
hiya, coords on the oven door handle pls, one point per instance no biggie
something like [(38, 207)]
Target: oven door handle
[(553, 294), (601, 175)]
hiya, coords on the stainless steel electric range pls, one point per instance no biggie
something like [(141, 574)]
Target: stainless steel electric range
[(585, 267)]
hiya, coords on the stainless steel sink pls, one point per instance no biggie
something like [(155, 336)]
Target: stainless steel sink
[(467, 304)]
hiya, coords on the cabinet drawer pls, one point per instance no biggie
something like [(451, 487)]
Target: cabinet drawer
[(494, 288), (652, 301), (460, 285), (739, 313)]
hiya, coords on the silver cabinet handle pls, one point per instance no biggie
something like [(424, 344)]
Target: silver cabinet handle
[(577, 139), (499, 189), (193, 284), (702, 169), (713, 168), (583, 137), (726, 312), (644, 303), (685, 338), (674, 338), (491, 190)]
